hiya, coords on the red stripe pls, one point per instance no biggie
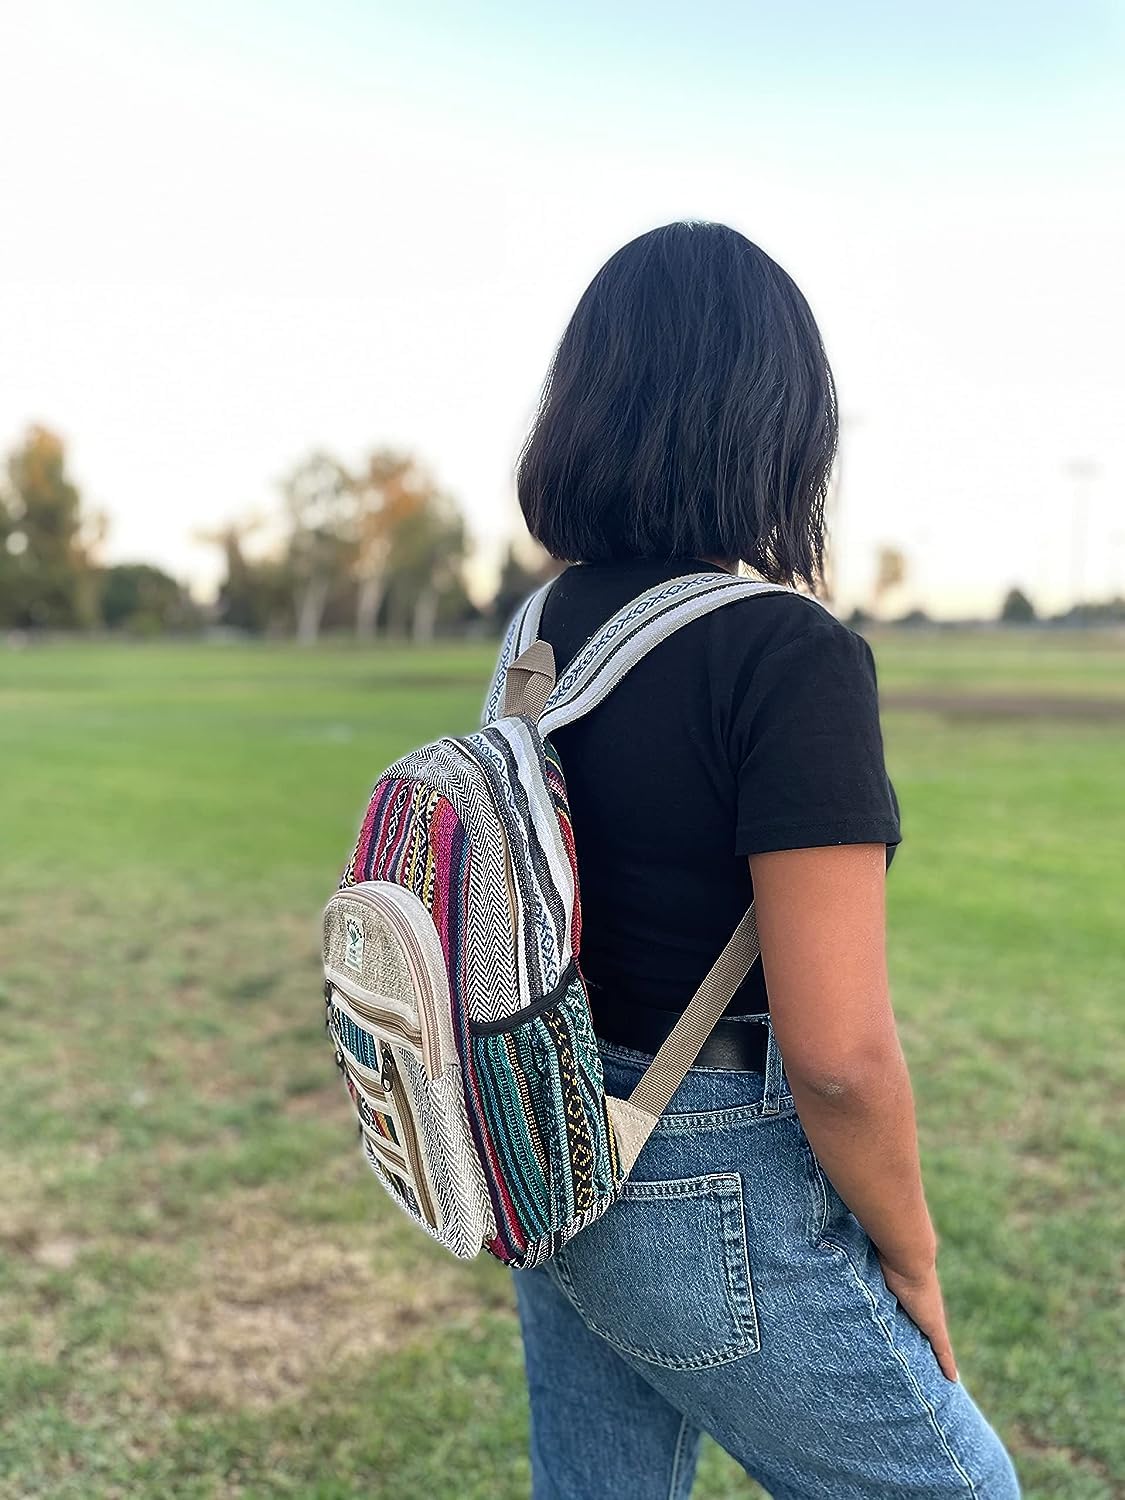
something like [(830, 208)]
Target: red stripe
[(443, 829), (363, 843)]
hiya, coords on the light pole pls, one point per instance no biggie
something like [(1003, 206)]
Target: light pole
[(1082, 471)]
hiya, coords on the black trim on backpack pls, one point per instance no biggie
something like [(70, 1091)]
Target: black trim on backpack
[(509, 1023)]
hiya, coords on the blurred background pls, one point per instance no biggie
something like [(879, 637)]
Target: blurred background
[(278, 287)]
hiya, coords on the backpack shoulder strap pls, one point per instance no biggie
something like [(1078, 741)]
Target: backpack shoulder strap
[(634, 1119), (635, 630), (595, 671), (522, 629)]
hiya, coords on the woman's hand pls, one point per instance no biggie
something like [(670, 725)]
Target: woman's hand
[(919, 1295)]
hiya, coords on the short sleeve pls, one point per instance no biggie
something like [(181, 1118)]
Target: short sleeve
[(809, 748)]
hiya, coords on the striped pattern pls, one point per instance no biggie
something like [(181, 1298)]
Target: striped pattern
[(541, 1096), (375, 1119), (512, 761), (479, 828), (478, 934), (400, 1191), (360, 1043), (411, 834), (556, 788)]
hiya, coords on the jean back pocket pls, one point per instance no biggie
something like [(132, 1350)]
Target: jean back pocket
[(665, 1275)]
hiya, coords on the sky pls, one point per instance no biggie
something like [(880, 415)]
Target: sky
[(231, 233)]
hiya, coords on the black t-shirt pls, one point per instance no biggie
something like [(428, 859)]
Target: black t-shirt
[(753, 728)]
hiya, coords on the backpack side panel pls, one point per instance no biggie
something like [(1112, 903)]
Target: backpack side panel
[(536, 1071)]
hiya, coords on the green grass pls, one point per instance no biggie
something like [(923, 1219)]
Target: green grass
[(1062, 662), (202, 1293)]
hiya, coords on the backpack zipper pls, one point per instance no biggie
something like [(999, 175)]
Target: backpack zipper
[(382, 1089), (389, 1079), (363, 1011), (364, 1078)]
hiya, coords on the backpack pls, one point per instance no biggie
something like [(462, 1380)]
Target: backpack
[(452, 982)]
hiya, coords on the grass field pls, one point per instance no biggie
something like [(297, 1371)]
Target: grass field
[(202, 1292)]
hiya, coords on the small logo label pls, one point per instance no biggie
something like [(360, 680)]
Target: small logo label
[(353, 954)]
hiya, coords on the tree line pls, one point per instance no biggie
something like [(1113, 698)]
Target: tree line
[(377, 548), (374, 548)]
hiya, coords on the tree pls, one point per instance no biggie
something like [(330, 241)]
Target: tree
[(1017, 608), (517, 581), (913, 617), (143, 599), (46, 545), (890, 573), (255, 595), (390, 489), (320, 507), (1106, 612), (427, 551)]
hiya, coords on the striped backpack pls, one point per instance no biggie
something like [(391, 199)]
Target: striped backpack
[(454, 993)]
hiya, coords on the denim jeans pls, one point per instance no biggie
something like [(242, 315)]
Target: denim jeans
[(731, 1291)]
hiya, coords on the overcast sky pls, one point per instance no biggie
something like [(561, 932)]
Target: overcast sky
[(230, 232)]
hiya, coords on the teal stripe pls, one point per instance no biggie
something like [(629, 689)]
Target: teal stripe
[(537, 1058), (505, 1111), (500, 1125), (554, 1117), (523, 1175), (527, 1054)]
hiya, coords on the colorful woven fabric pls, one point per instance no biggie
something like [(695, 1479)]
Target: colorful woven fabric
[(542, 1099)]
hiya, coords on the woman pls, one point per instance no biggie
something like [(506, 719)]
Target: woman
[(770, 1275)]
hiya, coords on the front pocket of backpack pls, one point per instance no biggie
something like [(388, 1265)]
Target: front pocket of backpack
[(665, 1274), (372, 1057)]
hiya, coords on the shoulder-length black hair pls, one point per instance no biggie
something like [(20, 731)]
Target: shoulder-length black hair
[(689, 411)]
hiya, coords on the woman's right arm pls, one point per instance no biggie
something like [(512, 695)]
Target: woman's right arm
[(822, 922)]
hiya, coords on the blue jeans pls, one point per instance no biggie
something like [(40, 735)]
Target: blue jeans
[(731, 1291)]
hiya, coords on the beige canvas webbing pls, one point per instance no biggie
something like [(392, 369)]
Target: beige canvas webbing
[(529, 682), (683, 1043), (634, 1119)]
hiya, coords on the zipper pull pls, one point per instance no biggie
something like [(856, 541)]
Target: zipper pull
[(387, 1076)]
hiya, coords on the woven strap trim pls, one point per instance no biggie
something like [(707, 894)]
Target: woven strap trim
[(523, 628), (633, 632), (618, 644)]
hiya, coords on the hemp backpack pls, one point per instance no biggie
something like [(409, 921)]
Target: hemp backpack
[(454, 993)]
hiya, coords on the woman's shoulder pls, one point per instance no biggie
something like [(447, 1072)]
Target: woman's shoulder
[(761, 624)]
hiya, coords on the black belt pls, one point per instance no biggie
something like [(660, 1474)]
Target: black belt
[(734, 1045)]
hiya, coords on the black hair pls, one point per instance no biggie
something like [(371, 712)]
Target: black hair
[(689, 411)]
